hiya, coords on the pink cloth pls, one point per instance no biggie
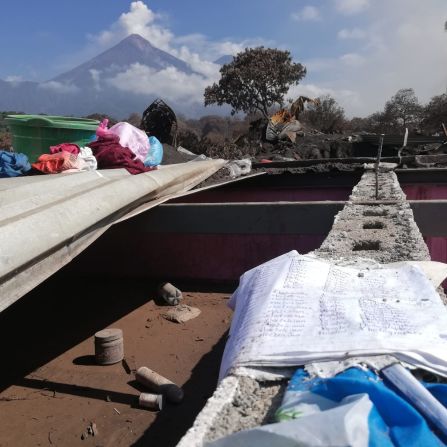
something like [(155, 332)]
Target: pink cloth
[(66, 147)]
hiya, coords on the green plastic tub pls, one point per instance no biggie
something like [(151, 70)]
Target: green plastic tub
[(34, 134)]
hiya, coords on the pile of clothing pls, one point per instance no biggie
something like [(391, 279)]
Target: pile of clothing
[(121, 146), (66, 157)]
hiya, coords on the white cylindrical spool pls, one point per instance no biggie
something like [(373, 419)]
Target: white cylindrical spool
[(159, 384), (151, 401)]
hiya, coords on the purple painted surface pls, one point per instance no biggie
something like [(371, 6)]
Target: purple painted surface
[(217, 257)]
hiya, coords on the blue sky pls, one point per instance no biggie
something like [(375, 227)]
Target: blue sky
[(360, 51)]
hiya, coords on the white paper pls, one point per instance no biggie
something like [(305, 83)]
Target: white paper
[(297, 309)]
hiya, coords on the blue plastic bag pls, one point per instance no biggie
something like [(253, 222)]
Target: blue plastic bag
[(155, 154)]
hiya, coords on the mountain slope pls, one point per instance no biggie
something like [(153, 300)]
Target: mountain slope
[(88, 88), (133, 49)]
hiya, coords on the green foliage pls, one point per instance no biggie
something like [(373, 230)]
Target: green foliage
[(255, 80)]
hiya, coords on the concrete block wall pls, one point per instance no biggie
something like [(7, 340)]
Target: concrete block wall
[(382, 230)]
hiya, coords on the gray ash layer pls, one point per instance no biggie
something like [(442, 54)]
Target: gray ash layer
[(255, 404)]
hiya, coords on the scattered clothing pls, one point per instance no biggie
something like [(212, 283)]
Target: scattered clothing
[(13, 164), (58, 162), (111, 155), (65, 147)]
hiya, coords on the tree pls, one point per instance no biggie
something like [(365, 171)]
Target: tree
[(255, 80), (435, 113), (325, 115), (403, 109), (134, 119)]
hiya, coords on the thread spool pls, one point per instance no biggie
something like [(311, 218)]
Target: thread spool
[(151, 401), (109, 347), (159, 384)]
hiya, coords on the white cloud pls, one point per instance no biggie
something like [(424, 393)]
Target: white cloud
[(307, 14), (139, 20), (350, 7), (168, 83), (191, 48), (14, 79), (406, 47), (96, 78), (59, 87), (354, 33), (206, 68), (195, 49), (344, 97), (352, 59)]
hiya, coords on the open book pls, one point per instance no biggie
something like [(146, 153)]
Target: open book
[(297, 309)]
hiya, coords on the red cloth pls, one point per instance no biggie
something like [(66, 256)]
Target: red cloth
[(111, 155), (55, 163), (67, 147)]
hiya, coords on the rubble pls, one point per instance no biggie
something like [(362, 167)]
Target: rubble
[(366, 231), (181, 314)]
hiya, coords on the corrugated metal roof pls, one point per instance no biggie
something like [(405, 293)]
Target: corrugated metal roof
[(47, 220)]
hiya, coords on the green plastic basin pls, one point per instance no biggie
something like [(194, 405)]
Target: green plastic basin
[(34, 134)]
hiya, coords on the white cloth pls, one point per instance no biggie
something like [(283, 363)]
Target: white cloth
[(90, 163)]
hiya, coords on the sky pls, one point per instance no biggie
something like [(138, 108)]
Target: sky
[(359, 51)]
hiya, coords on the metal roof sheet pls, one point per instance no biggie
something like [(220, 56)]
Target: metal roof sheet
[(47, 220)]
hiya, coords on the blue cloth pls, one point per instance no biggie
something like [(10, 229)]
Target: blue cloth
[(13, 164), (392, 421)]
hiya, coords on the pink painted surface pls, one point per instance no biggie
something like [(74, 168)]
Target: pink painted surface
[(437, 246), (125, 251), (425, 191)]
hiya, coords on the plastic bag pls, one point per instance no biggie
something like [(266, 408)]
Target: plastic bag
[(129, 136), (155, 154), (239, 167)]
